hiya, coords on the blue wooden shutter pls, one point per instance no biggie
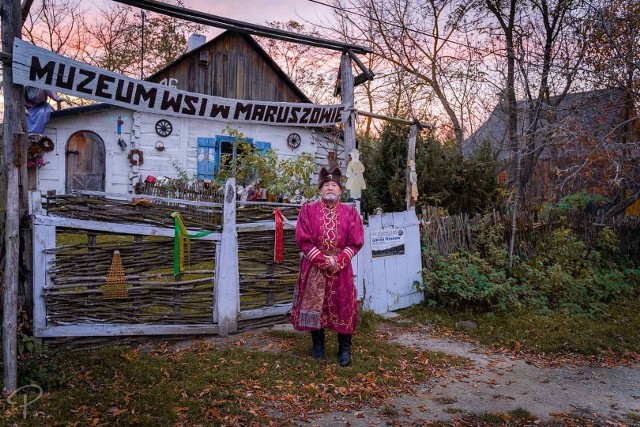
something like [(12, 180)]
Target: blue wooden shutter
[(207, 150), (262, 147)]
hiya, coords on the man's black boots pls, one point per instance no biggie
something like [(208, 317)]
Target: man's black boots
[(344, 350), (317, 338)]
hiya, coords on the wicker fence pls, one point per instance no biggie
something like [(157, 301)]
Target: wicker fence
[(103, 265)]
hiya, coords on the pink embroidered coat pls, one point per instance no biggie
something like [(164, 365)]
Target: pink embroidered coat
[(324, 299)]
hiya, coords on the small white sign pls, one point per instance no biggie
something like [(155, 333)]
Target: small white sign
[(387, 242)]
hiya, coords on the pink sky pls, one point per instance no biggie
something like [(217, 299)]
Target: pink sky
[(254, 11), (260, 11)]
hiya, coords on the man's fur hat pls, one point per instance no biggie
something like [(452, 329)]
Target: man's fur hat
[(325, 176)]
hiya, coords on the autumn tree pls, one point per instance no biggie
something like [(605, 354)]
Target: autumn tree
[(614, 56), (111, 38), (312, 69), (57, 26), (543, 49), (424, 52)]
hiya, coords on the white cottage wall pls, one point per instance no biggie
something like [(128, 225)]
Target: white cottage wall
[(52, 176), (139, 131)]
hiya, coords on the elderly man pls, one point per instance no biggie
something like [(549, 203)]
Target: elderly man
[(329, 234)]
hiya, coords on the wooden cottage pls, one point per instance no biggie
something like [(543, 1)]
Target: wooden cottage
[(108, 148), (584, 144)]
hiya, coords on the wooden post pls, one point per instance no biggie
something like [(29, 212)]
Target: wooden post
[(411, 156), (227, 286), (14, 139), (346, 79), (45, 238)]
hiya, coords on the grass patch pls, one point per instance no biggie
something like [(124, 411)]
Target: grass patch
[(616, 330), (209, 384)]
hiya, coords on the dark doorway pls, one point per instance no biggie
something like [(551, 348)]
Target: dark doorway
[(85, 162)]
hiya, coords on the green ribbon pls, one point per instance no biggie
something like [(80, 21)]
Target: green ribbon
[(181, 235)]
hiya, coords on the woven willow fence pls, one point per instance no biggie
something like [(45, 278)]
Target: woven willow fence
[(143, 210), (151, 294), (120, 270)]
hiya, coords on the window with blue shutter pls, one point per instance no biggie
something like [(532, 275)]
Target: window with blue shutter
[(207, 158), (212, 150), (262, 146)]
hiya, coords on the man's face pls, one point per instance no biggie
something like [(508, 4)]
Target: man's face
[(330, 192)]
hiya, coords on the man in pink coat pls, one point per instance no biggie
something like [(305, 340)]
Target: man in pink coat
[(329, 234)]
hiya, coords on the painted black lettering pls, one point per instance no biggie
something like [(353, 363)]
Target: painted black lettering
[(203, 107), (315, 115), (325, 116), (294, 115), (147, 95), (82, 86), (338, 115), (126, 97), (170, 102), (269, 115), (283, 113), (103, 84), (305, 114), (241, 108), (190, 109), (60, 78), (223, 110), (37, 71), (258, 112)]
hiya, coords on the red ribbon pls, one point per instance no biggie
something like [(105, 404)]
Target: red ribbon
[(279, 243)]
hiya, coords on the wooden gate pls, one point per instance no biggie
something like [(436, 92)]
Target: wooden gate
[(390, 263)]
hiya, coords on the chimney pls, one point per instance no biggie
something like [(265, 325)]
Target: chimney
[(195, 41)]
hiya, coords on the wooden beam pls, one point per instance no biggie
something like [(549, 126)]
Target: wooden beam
[(361, 78), (411, 157), (240, 26), (258, 313), (5, 57), (121, 196), (365, 71), (14, 137), (346, 80), (110, 227), (108, 330), (387, 118)]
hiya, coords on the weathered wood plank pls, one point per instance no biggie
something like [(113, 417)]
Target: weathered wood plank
[(44, 238), (107, 330), (227, 294), (143, 230), (258, 313), (346, 75)]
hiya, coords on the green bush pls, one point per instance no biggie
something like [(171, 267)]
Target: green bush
[(445, 179), (465, 280), (567, 274)]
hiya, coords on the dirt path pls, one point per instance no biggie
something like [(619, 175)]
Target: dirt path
[(497, 384)]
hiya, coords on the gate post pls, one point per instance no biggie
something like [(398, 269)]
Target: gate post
[(44, 238), (227, 281)]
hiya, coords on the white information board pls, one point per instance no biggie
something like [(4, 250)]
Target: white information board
[(387, 242)]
